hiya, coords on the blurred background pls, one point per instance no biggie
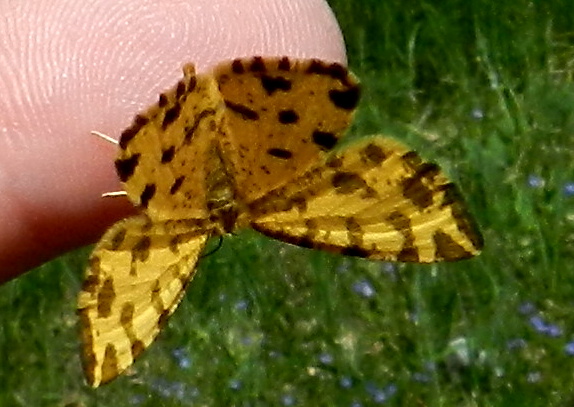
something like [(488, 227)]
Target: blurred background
[(482, 87)]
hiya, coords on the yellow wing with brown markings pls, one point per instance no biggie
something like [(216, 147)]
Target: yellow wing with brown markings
[(376, 199), (283, 116), (136, 277), (166, 154)]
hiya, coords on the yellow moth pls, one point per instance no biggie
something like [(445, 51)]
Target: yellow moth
[(251, 144)]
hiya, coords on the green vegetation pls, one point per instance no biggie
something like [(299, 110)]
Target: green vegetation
[(482, 87)]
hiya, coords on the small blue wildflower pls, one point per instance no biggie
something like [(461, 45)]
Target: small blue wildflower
[(346, 382), (554, 331), (533, 377), (543, 327), (538, 323), (273, 354), (421, 377), (527, 308), (569, 348), (288, 400), (516, 343), (235, 384), (356, 403), (326, 358), (168, 389), (378, 395), (391, 390), (534, 181), (569, 189), (364, 288), (477, 113), (241, 305), (182, 358), (391, 270)]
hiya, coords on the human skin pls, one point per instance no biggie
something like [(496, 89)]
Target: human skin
[(68, 67)]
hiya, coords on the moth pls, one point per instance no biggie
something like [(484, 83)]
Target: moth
[(252, 144)]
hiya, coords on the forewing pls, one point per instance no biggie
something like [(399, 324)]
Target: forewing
[(376, 199), (166, 154), (283, 115), (136, 276)]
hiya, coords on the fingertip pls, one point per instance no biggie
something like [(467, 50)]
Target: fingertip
[(89, 66)]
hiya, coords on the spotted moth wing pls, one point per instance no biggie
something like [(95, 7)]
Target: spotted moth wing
[(166, 155), (376, 199), (283, 116), (136, 277)]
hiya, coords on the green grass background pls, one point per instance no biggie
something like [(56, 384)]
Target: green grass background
[(484, 88)]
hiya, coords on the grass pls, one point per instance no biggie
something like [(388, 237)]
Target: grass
[(482, 87)]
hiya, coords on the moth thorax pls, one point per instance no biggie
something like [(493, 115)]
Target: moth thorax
[(220, 196)]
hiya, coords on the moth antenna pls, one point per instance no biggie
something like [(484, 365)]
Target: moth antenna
[(114, 194), (105, 137)]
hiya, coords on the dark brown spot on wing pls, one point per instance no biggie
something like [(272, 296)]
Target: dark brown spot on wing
[(92, 281), (412, 159), (156, 300), (402, 224), (447, 248), (271, 84), (137, 348), (190, 130), (355, 233), (373, 155), (171, 115), (280, 153), (106, 297), (408, 253), (176, 184), (109, 364), (335, 162), (464, 221), (288, 117), (284, 64), (118, 239), (167, 155), (355, 251), (347, 182), (163, 319), (242, 110), (180, 89), (192, 84), (399, 221), (325, 140), (129, 133), (414, 188), (257, 65), (162, 102), (140, 251), (334, 70), (147, 194), (127, 315), (174, 243), (345, 99), (126, 167), (237, 66)]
